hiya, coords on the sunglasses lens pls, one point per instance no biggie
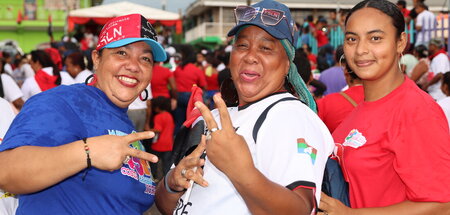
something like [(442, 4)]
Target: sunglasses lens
[(244, 13), (271, 17)]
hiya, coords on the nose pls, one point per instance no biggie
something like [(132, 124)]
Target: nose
[(250, 57), (362, 48), (133, 64)]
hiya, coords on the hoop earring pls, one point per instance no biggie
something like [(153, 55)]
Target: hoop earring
[(88, 80), (399, 62), (146, 95)]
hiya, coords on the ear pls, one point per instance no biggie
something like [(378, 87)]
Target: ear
[(95, 59), (402, 42)]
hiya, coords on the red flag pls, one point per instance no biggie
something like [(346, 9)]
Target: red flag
[(192, 113), (50, 28), (19, 17)]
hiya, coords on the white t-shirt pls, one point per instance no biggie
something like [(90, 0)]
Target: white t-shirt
[(439, 64), (30, 87), (66, 79), (8, 68), (82, 76), (445, 105), (27, 70), (427, 21), (279, 154), (138, 104), (8, 205), (10, 88)]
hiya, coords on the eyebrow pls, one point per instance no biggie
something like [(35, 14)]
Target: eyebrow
[(370, 32)]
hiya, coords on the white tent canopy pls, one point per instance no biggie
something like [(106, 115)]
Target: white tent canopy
[(124, 8)]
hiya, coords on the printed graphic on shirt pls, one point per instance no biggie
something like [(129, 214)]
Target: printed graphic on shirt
[(304, 148), (182, 208), (136, 168), (355, 139)]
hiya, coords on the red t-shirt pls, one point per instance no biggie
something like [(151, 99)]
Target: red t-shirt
[(188, 76), (213, 81), (160, 80), (322, 38), (164, 123), (396, 149), (333, 108)]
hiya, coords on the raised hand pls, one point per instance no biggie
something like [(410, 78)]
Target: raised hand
[(184, 171), (108, 152), (227, 150)]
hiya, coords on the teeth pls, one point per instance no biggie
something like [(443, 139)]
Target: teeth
[(129, 80)]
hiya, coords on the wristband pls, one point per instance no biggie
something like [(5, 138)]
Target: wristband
[(167, 186), (88, 159)]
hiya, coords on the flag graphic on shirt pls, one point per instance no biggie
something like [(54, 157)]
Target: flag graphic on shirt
[(303, 147)]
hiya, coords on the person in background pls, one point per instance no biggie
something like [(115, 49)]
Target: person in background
[(212, 80), (186, 75), (8, 201), (408, 61), (291, 137), (7, 66), (445, 102), (425, 24), (334, 108), (163, 125), (46, 76), (401, 4), (163, 84), (139, 111), (76, 67), (422, 70), (9, 90), (333, 77), (439, 65), (382, 144), (72, 149), (23, 70)]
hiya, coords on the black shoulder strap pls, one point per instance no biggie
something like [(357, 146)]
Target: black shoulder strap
[(263, 116)]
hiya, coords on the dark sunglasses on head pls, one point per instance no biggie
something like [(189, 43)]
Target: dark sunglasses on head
[(269, 17)]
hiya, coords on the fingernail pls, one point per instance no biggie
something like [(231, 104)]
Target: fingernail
[(155, 159), (197, 104)]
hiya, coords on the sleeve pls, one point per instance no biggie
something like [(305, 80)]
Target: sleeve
[(423, 159), (11, 90), (419, 20), (293, 146), (45, 120)]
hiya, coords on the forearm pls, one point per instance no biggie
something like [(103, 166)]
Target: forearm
[(165, 201), (435, 79), (263, 196), (30, 169), (406, 208)]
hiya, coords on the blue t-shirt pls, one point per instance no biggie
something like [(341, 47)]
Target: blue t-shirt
[(66, 114)]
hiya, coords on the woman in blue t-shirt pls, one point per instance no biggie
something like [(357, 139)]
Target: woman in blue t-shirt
[(72, 149)]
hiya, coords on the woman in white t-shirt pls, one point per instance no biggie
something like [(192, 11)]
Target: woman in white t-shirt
[(76, 67), (47, 75), (9, 89)]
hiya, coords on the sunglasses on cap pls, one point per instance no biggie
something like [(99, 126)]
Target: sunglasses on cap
[(270, 17)]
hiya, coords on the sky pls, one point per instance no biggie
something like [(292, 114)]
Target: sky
[(171, 5)]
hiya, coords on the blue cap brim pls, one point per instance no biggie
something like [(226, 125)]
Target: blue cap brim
[(269, 29), (159, 54)]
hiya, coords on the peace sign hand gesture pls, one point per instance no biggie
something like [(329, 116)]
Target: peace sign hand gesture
[(108, 152), (227, 150)]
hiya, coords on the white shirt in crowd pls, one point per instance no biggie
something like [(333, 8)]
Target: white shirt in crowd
[(138, 103), (445, 105), (82, 76), (439, 64), (66, 79), (427, 21), (8, 68), (11, 90)]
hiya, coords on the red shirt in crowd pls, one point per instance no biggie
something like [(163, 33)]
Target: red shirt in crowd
[(395, 149), (188, 76), (163, 122), (160, 80), (213, 81), (333, 108)]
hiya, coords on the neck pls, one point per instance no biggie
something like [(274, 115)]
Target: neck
[(379, 88)]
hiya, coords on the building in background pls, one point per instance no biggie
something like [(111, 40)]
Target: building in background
[(27, 21), (207, 22)]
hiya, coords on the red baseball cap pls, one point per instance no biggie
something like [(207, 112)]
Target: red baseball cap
[(123, 30)]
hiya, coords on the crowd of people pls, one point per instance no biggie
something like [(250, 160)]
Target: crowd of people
[(96, 127)]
